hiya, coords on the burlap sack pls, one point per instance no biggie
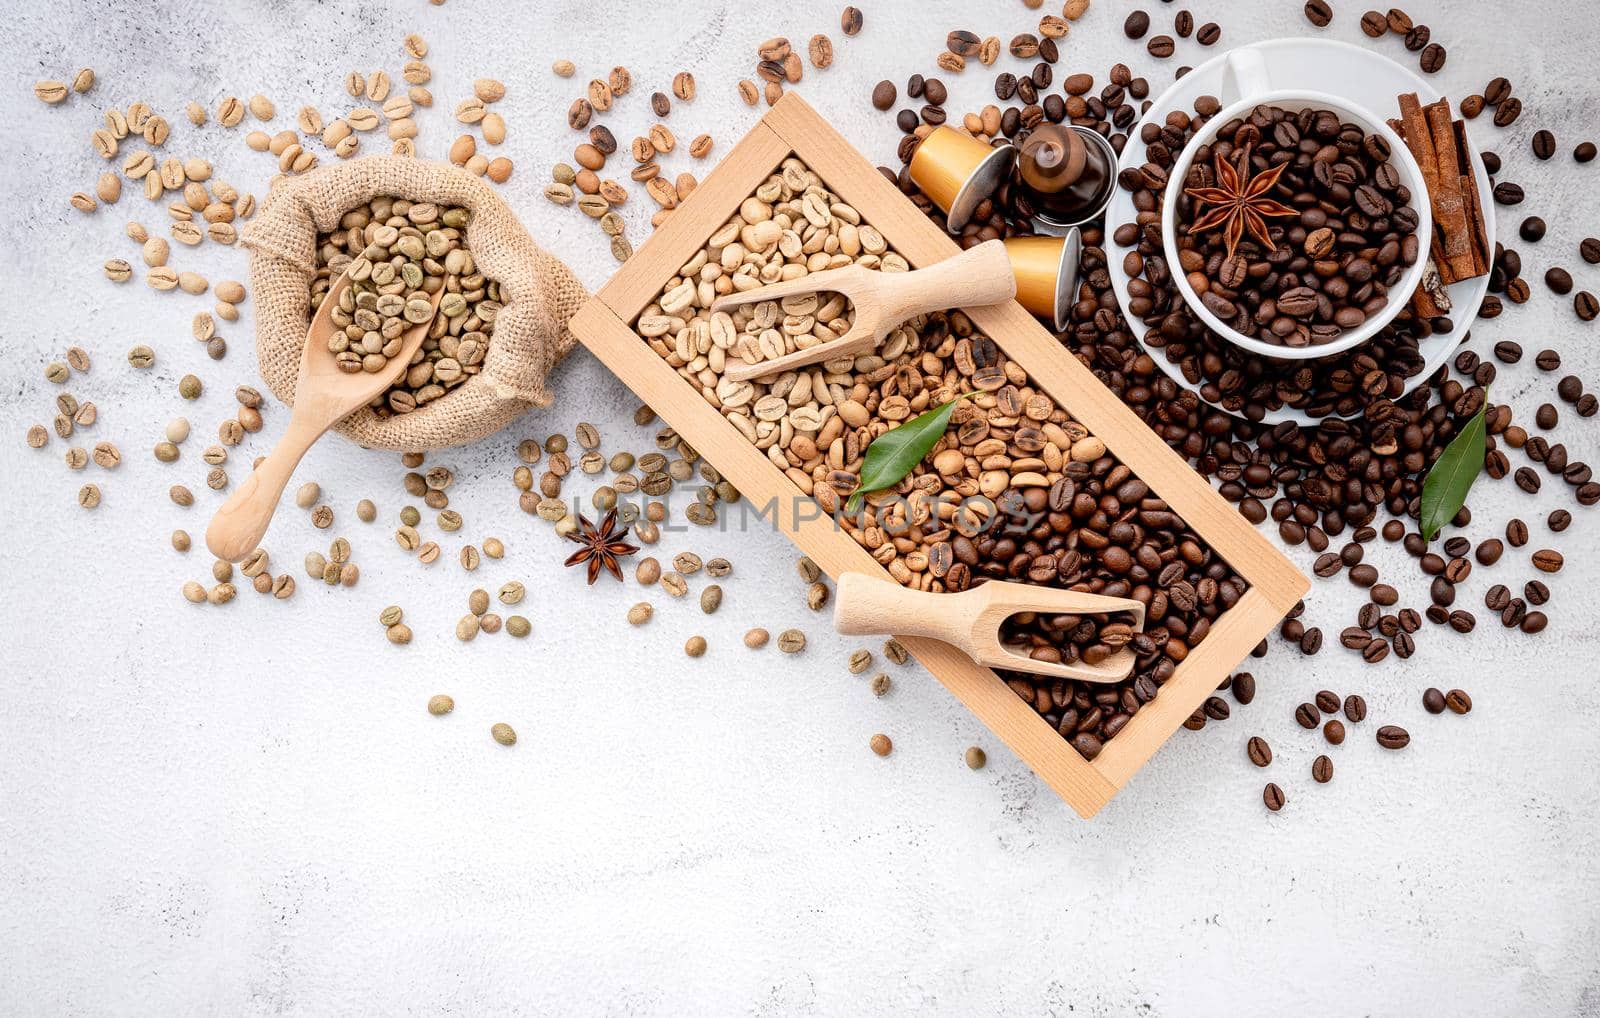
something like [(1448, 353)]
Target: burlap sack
[(530, 332)]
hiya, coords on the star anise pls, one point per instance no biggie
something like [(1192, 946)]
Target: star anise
[(1239, 205), (602, 546)]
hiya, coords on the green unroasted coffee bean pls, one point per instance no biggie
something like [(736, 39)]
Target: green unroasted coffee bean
[(440, 705), (503, 734), (518, 626)]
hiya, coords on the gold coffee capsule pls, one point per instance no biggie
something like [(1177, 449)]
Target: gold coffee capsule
[(958, 172), (1047, 274)]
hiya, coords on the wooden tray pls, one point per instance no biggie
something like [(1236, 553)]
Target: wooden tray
[(793, 127)]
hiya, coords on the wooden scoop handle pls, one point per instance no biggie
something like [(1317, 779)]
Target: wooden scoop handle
[(865, 606), (976, 277), (237, 528)]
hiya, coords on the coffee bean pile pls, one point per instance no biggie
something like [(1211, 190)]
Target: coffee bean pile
[(1327, 268), (1100, 529), (1344, 384), (1338, 479)]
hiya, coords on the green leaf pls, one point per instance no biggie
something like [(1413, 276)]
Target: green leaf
[(894, 454), (1444, 490)]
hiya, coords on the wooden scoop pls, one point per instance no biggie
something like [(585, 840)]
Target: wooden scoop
[(977, 276), (322, 395), (970, 621)]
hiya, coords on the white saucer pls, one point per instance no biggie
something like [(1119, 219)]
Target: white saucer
[(1366, 78)]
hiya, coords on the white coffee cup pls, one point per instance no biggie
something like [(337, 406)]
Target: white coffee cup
[(1246, 85)]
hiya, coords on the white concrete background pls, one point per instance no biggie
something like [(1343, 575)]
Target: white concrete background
[(246, 810)]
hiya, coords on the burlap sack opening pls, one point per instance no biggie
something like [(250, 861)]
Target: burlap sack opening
[(530, 332)]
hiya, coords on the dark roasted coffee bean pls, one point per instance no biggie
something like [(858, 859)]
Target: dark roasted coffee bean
[(1546, 416), (1333, 731), (1558, 520), (1327, 564), (906, 120), (1462, 621), (1404, 645), (1258, 751), (1208, 34), (1584, 152), (1311, 642), (1589, 250), (1508, 351), (1307, 715), (1532, 229), (1536, 592), (1410, 621), (1488, 551), (1374, 24), (1367, 617), (1136, 25), (1399, 21), (1393, 737), (1507, 112), (1559, 280), (1458, 701), (1433, 701), (1243, 687), (1497, 91), (1586, 405), (1569, 388), (1364, 575), (1586, 305), (1512, 614), (1375, 651), (1516, 533), (1322, 769), (1216, 708), (1160, 46), (1533, 622), (1418, 37), (915, 85), (1497, 597), (883, 95), (1355, 708), (1393, 530), (1354, 638), (1272, 795), (1442, 592), (1548, 360), (934, 92), (963, 43), (1508, 193), (1384, 594), (1527, 480), (1544, 144), (1471, 106), (1318, 13), (1183, 24), (1547, 560), (1438, 614), (1327, 701), (1433, 57)]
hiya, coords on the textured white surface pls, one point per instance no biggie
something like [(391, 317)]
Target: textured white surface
[(246, 810)]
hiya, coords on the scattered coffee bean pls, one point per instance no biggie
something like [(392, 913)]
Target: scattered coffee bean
[(1322, 769), (1272, 795), (1393, 737), (1259, 752)]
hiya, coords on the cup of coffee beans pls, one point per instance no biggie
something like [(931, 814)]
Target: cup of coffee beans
[(1294, 224)]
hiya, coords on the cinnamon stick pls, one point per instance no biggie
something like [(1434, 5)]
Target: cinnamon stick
[(1449, 206), (1469, 188)]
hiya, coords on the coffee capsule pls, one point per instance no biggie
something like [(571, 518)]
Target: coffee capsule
[(1067, 173), (957, 171), (1047, 274)]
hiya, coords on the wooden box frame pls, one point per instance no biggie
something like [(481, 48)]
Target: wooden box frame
[(792, 127)]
